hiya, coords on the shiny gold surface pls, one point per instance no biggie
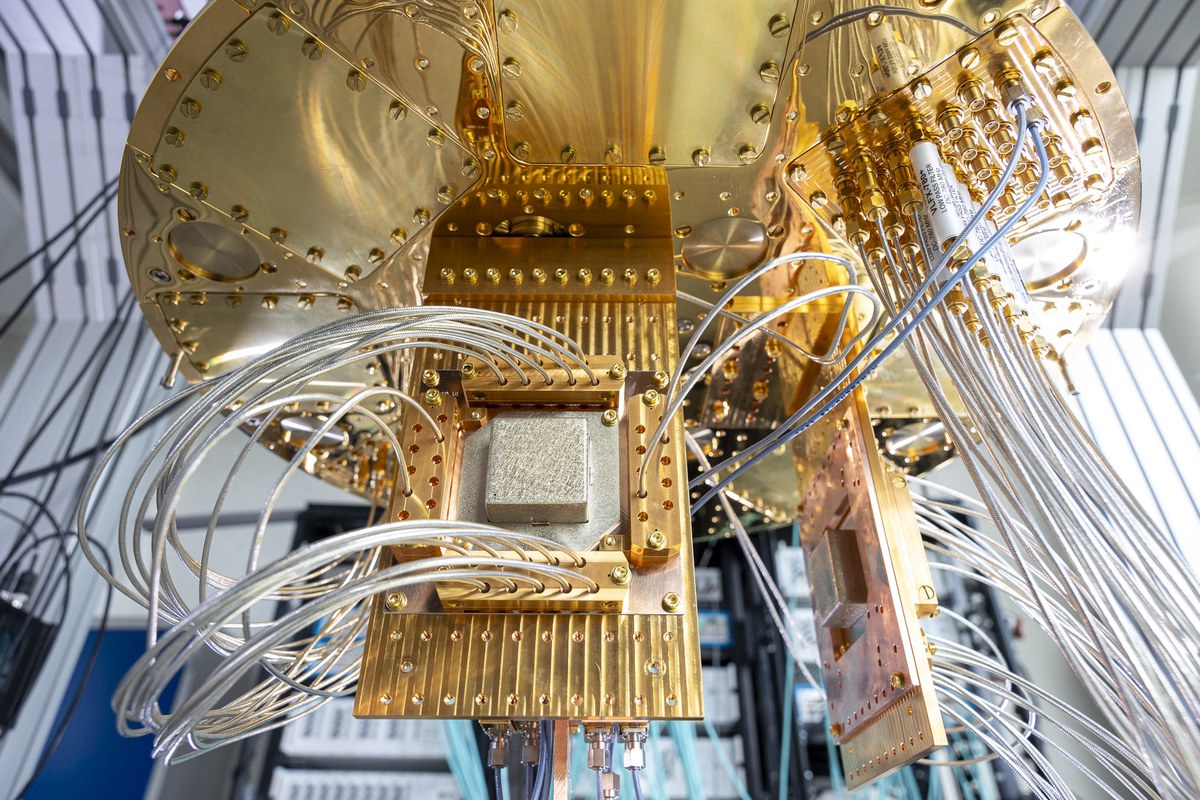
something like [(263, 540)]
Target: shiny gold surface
[(660, 104), (877, 673), (576, 164), (600, 567)]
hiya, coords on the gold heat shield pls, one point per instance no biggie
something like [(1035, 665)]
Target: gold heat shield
[(577, 164)]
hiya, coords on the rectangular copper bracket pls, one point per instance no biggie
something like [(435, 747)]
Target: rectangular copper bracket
[(878, 680)]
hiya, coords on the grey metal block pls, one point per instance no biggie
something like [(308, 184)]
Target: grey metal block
[(537, 469)]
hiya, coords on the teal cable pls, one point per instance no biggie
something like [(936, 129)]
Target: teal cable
[(726, 762), (789, 698), (656, 776), (684, 736)]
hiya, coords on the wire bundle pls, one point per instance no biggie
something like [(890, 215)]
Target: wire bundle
[(1083, 558), (312, 652)]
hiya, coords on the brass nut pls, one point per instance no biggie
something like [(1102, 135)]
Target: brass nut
[(620, 574), (835, 729), (467, 370), (609, 417), (430, 377), (656, 540), (661, 379), (617, 372), (898, 680), (396, 601), (433, 398), (670, 601), (651, 398)]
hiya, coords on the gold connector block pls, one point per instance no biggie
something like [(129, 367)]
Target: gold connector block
[(599, 568)]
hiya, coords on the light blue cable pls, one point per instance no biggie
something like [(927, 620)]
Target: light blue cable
[(656, 774), (798, 423), (789, 699), (684, 736), (726, 762)]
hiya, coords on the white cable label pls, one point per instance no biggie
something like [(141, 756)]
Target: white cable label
[(939, 194), (889, 55)]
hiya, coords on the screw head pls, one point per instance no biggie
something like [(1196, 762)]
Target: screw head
[(467, 370), (278, 24), (210, 79), (430, 377), (609, 418), (760, 114), (656, 540), (189, 108), (174, 137), (396, 601), (670, 601), (619, 574), (312, 49), (617, 372), (651, 398), (356, 81), (433, 398), (661, 379), (236, 50), (898, 680)]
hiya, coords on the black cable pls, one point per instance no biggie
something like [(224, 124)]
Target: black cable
[(93, 657), (29, 259), (110, 339), (497, 775), (50, 469), (64, 119), (99, 363), (50, 269)]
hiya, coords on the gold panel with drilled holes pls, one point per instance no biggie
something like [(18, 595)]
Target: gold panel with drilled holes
[(877, 672)]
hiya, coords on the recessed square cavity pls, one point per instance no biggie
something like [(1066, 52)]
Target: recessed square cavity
[(537, 469)]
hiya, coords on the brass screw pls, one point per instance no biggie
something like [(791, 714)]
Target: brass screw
[(656, 540), (661, 379), (210, 79), (835, 729), (561, 275), (630, 276), (898, 680), (514, 275), (470, 276), (760, 114), (356, 81), (584, 276), (189, 108), (926, 592), (467, 370), (670, 601), (236, 50), (447, 275), (492, 274), (609, 418), (651, 398), (433, 398), (538, 274), (617, 372), (430, 377), (312, 49), (620, 574), (278, 24), (174, 137), (396, 601), (653, 276), (607, 275)]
